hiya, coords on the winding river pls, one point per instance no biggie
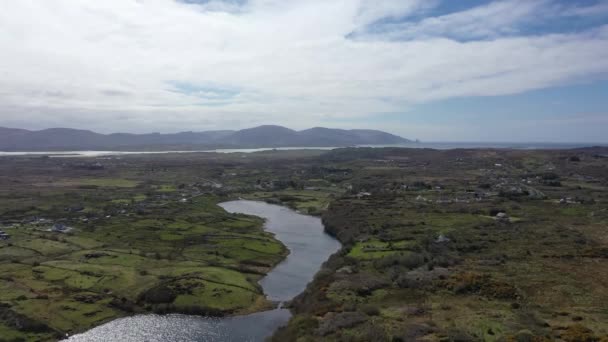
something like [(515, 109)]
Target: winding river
[(309, 247)]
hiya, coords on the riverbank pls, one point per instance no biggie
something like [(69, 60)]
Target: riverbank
[(170, 257), (457, 244), (463, 246), (309, 247)]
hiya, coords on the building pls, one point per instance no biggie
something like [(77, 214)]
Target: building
[(60, 228), (363, 194), (502, 217), (442, 239)]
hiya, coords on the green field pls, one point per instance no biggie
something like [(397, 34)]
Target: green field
[(128, 252), (425, 256)]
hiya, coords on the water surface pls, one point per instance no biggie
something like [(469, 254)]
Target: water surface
[(309, 247), (431, 145)]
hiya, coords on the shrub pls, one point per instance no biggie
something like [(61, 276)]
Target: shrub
[(579, 333), (410, 261), (406, 282), (122, 304), (297, 327), (21, 322), (495, 211), (340, 321), (456, 335), (413, 332), (482, 284), (555, 183), (159, 295), (372, 332), (549, 176), (370, 310), (287, 198)]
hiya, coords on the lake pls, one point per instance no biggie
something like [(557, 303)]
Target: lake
[(309, 247)]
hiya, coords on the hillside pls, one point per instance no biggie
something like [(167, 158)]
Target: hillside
[(12, 139)]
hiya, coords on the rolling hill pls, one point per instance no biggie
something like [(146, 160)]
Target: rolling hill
[(54, 139)]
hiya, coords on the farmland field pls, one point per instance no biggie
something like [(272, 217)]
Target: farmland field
[(437, 245)]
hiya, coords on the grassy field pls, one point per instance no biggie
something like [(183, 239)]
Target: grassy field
[(134, 245), (426, 255), (426, 258)]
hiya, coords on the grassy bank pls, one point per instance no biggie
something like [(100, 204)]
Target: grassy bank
[(89, 247)]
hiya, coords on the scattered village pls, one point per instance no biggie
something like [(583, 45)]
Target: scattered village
[(426, 234)]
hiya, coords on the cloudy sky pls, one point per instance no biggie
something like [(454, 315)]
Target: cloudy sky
[(442, 70)]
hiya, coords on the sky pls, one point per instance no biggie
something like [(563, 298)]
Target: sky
[(436, 70)]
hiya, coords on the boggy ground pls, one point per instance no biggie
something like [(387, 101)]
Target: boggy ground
[(427, 258), (427, 253)]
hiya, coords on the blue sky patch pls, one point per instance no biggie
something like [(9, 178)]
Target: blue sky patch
[(472, 20), (208, 92)]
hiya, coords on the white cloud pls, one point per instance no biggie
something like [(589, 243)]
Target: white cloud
[(494, 19), (491, 20), (110, 64), (598, 9), (371, 10)]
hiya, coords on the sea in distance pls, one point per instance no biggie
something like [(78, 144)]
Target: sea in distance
[(430, 145)]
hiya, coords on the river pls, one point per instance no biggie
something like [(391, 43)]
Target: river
[(309, 247)]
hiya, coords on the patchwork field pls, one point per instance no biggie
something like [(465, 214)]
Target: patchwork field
[(463, 246), (125, 248), (456, 245)]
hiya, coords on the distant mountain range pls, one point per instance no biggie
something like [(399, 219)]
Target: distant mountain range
[(56, 139)]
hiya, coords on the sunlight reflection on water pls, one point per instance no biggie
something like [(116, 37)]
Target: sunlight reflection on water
[(309, 247)]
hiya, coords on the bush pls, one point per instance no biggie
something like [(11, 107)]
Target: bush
[(298, 326), (482, 284), (372, 332), (410, 261), (159, 295), (122, 304), (444, 260), (579, 333), (549, 176), (413, 332), (495, 211), (21, 322), (406, 282), (370, 310), (340, 321), (288, 198), (555, 183), (456, 335)]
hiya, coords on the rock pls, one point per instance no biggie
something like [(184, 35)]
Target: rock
[(346, 270), (442, 239)]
